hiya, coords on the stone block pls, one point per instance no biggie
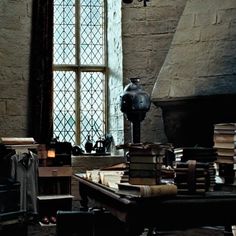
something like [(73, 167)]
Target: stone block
[(214, 32)]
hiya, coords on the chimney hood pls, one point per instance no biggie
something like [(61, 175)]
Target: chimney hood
[(196, 86)]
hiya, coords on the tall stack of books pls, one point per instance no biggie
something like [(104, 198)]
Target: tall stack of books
[(145, 162), (204, 160), (225, 143)]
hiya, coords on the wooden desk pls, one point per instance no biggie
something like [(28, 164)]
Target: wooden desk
[(179, 212)]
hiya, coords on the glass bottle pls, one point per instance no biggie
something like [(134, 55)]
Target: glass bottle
[(88, 145)]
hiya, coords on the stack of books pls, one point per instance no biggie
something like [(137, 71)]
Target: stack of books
[(201, 154), (204, 157), (145, 162), (193, 177), (225, 143)]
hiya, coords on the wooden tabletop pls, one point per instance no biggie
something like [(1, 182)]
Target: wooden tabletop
[(166, 213)]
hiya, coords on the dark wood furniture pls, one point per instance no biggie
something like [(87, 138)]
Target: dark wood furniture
[(54, 190), (174, 213)]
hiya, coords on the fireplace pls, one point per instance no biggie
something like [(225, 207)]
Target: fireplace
[(196, 86)]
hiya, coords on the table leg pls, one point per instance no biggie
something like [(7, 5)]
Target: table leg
[(83, 198), (228, 230)]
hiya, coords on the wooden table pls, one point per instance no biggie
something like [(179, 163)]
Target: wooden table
[(179, 212)]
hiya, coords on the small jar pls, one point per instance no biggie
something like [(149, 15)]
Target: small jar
[(88, 145)]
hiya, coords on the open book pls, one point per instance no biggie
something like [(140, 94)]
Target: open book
[(147, 190), (108, 178)]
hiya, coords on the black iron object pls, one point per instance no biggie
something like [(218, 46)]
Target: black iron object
[(135, 103), (130, 1), (99, 146), (88, 145)]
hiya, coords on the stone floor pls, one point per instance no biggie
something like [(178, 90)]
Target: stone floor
[(37, 230), (34, 229)]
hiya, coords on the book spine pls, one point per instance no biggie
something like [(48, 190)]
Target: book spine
[(143, 181), (229, 145), (146, 158), (144, 166), (224, 138), (144, 173), (146, 151), (158, 190)]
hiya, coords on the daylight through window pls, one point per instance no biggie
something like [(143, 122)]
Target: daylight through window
[(79, 71)]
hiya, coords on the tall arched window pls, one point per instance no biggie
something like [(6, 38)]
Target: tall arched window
[(79, 70)]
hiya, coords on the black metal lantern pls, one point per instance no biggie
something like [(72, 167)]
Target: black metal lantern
[(135, 103), (130, 1)]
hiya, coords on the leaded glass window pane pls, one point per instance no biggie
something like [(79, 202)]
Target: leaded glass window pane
[(79, 96), (64, 32), (92, 32), (64, 115), (92, 116)]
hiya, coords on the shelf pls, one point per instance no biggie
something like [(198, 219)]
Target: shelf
[(54, 191), (55, 197)]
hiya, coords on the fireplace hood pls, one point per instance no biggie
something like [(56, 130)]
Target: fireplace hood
[(196, 86)]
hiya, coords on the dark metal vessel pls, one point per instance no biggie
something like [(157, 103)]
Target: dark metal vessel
[(135, 103)]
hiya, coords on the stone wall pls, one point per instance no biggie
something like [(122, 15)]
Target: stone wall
[(115, 83), (147, 33), (15, 21), (206, 37), (139, 39)]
